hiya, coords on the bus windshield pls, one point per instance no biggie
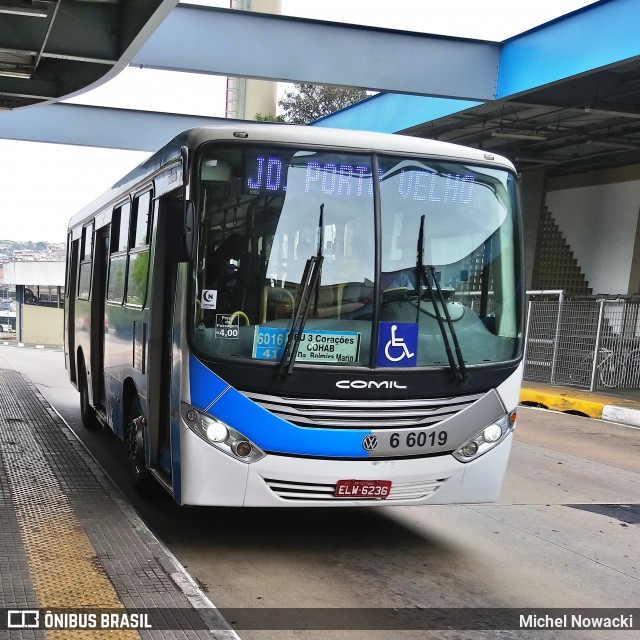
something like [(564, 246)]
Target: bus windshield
[(265, 211)]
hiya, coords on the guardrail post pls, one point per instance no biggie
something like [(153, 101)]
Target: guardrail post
[(594, 365), (526, 336), (556, 339)]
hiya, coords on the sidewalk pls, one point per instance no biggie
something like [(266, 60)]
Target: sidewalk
[(70, 545), (621, 407)]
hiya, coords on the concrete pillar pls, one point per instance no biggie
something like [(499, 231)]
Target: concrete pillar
[(19, 310), (245, 96), (634, 273), (260, 97), (533, 193)]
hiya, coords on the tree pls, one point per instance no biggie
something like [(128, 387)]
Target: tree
[(269, 117), (308, 102)]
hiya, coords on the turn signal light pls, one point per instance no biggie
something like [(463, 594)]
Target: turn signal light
[(242, 448)]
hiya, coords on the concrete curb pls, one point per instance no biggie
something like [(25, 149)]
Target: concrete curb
[(592, 405), (625, 415), (22, 345)]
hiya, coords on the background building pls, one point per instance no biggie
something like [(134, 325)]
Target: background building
[(39, 288)]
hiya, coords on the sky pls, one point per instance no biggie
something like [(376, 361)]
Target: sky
[(74, 176)]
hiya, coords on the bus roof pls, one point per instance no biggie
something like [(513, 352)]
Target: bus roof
[(237, 131)]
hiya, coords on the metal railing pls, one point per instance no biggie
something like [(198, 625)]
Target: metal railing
[(592, 343)]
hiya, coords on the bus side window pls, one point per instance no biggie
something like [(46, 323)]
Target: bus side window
[(118, 252), (138, 270), (86, 257)]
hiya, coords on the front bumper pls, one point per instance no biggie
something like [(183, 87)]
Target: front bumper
[(210, 477)]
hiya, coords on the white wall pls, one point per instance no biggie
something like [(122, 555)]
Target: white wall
[(48, 274), (42, 325), (599, 223)]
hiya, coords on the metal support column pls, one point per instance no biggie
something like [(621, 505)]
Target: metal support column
[(556, 339), (594, 366)]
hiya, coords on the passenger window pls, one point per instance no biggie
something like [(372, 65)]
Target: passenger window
[(138, 261), (120, 226), (84, 279), (118, 258), (141, 228)]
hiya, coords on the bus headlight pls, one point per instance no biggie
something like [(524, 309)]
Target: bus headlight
[(486, 439), (221, 435), (217, 431), (492, 433)]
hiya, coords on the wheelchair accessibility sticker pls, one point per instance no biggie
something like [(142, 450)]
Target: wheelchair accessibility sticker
[(398, 344)]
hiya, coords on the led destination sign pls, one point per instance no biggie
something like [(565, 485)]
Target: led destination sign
[(269, 175)]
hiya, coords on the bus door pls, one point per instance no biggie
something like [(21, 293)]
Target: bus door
[(167, 366), (73, 248), (163, 373), (101, 262)]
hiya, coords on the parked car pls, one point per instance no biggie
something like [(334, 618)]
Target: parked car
[(30, 297)]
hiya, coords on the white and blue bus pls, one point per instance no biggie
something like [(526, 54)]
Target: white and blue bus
[(7, 321), (273, 315)]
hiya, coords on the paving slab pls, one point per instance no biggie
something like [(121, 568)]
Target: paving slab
[(70, 545)]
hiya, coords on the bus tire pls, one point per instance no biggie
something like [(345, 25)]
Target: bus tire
[(87, 412), (140, 476)]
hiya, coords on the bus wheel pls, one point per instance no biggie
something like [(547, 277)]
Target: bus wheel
[(141, 478), (87, 412)]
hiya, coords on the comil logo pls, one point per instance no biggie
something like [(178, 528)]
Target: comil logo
[(369, 384)]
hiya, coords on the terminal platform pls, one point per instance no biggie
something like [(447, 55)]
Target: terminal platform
[(71, 546)]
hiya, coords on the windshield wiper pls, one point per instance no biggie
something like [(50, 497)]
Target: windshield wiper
[(458, 369), (310, 283)]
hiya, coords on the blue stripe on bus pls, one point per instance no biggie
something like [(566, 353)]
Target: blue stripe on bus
[(267, 430), (204, 385)]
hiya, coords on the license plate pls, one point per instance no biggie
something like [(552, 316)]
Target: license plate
[(363, 489)]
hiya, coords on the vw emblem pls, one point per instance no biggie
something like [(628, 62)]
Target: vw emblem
[(369, 443)]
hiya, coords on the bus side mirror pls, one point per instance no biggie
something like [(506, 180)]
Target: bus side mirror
[(188, 232), (180, 230)]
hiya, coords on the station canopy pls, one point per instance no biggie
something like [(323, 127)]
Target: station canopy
[(567, 94), (583, 123)]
